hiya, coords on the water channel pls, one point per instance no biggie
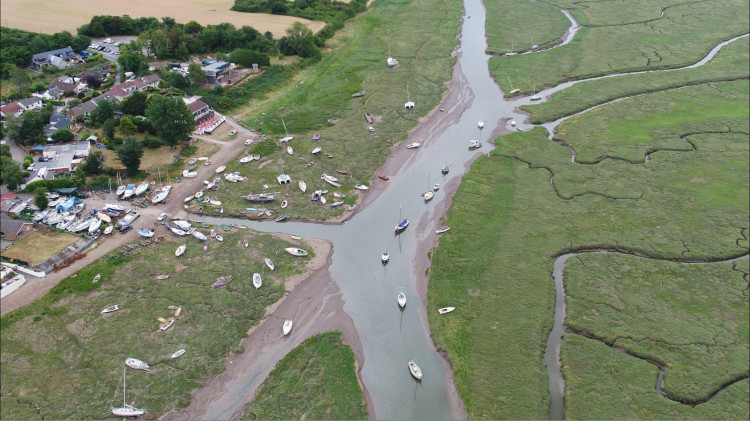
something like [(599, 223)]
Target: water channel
[(391, 337)]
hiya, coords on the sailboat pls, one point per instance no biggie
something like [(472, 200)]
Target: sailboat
[(126, 410), (512, 47), (429, 194), (286, 138), (480, 124), (391, 62), (409, 103), (401, 225), (512, 91), (535, 96), (401, 298)]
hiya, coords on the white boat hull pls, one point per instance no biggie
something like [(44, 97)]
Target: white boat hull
[(287, 327)]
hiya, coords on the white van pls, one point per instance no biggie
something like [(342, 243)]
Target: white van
[(108, 40)]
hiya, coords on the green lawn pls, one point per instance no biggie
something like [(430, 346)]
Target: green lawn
[(39, 246)]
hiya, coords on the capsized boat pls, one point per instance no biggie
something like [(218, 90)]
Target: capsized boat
[(257, 280), (295, 251), (180, 250), (415, 370)]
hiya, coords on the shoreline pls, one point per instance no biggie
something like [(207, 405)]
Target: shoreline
[(311, 299)]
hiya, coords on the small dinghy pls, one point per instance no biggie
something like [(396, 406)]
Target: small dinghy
[(385, 257), (245, 243), (287, 327), (442, 230), (110, 309), (257, 280), (446, 310), (284, 204), (415, 370), (361, 187), (146, 233), (221, 169), (162, 277), (108, 230), (96, 278), (219, 237), (180, 250), (178, 353), (269, 263), (289, 150), (222, 281), (401, 299)]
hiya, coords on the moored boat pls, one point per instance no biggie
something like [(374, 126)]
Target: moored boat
[(136, 364), (146, 233), (361, 187), (108, 230), (141, 188), (401, 299), (446, 310), (200, 236), (412, 145), (257, 280), (402, 226), (126, 410), (178, 353), (385, 257), (222, 281), (269, 263), (281, 217), (180, 250), (383, 177), (110, 309), (442, 230), (302, 186), (415, 370)]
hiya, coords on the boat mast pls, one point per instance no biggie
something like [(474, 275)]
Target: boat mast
[(511, 83), (123, 387)]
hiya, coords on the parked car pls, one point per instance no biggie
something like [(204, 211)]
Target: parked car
[(44, 159), (31, 167), (83, 195), (126, 228)]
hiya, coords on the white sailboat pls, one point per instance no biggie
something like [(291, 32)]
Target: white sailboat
[(429, 194), (127, 410), (535, 96), (512, 91), (286, 138), (391, 62), (287, 327), (401, 298)]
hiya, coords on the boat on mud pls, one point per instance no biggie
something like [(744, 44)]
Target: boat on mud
[(295, 251), (260, 197)]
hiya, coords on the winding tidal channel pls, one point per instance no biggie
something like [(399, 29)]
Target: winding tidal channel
[(390, 337)]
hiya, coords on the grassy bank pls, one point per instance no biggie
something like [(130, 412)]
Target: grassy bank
[(317, 380), (420, 34), (538, 204), (671, 313), (624, 37), (62, 359)]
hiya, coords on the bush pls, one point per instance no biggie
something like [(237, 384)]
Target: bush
[(152, 142), (109, 171), (188, 150)]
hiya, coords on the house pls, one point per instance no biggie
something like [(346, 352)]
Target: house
[(215, 70), (83, 109), (54, 93), (33, 103), (13, 108), (68, 84), (151, 81), (65, 158), (201, 111), (60, 58), (57, 122), (14, 229)]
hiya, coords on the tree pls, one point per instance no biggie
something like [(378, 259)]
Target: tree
[(63, 135), (246, 58), (196, 75), (109, 128), (130, 154), (32, 124), (40, 197), (131, 58), (127, 127), (10, 173), (93, 81), (103, 112), (134, 104), (299, 41), (13, 126), (93, 164), (21, 79), (171, 118), (176, 80)]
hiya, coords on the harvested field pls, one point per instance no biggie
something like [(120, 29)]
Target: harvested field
[(49, 16)]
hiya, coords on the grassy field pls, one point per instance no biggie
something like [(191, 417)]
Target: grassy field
[(672, 313), (614, 39), (681, 205), (62, 359), (315, 381), (420, 34), (49, 16), (40, 246), (601, 381)]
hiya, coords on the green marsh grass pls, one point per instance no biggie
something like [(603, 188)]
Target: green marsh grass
[(317, 380), (63, 355), (537, 204), (603, 383), (612, 41)]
